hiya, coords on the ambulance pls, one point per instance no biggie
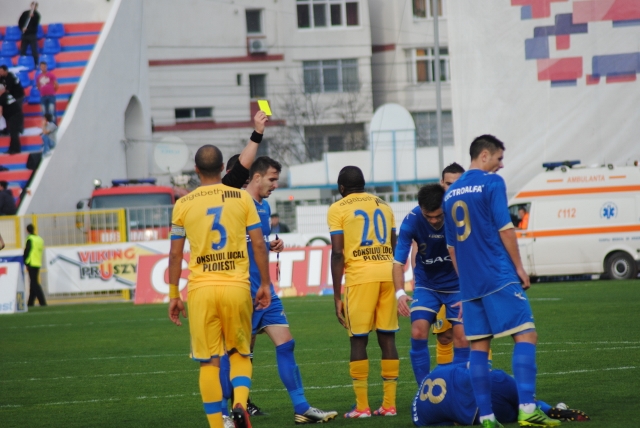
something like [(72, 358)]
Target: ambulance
[(579, 220)]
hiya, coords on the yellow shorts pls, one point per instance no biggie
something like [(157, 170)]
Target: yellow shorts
[(371, 305), (442, 324), (219, 319)]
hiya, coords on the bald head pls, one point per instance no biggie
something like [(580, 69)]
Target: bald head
[(209, 161)]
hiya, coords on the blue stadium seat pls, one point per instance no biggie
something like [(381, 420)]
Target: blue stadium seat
[(55, 31), (51, 46), (40, 32), (23, 77), (50, 60), (6, 61), (13, 33), (34, 95), (9, 49), (26, 61)]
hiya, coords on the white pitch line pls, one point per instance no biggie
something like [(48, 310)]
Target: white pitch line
[(94, 376), (84, 323), (588, 371)]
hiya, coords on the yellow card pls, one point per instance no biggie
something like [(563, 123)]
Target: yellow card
[(264, 106)]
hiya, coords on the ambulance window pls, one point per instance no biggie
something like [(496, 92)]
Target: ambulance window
[(520, 215)]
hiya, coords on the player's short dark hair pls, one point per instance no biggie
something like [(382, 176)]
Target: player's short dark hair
[(4, 184), (262, 164), (4, 67), (351, 177), (209, 160), (30, 228), (275, 215), (430, 197), (454, 168), (232, 162), (43, 62), (485, 142)]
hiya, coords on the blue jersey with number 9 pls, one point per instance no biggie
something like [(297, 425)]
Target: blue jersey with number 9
[(476, 211), (367, 223)]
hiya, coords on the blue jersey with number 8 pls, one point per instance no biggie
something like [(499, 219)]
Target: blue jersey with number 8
[(367, 223), (476, 211)]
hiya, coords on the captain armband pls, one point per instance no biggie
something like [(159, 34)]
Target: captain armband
[(177, 232)]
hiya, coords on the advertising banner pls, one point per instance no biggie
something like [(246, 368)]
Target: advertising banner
[(101, 267), (554, 80), (295, 272), (12, 291)]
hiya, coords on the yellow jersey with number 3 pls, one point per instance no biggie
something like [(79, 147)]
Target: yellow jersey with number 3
[(215, 219), (367, 223)]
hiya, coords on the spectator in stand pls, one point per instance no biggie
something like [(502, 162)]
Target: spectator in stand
[(7, 203), (48, 85), (33, 259), (12, 83), (12, 112), (28, 23), (276, 226), (49, 131)]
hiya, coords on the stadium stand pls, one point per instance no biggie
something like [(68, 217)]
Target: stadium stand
[(66, 48)]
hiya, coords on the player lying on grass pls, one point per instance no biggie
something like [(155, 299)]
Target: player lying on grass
[(263, 179), (445, 397)]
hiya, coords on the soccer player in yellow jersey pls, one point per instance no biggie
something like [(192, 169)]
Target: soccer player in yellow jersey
[(216, 220), (363, 238)]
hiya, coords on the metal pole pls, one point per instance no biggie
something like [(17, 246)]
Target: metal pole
[(436, 48), (395, 168)]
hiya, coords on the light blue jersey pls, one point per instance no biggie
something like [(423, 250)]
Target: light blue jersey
[(476, 211), (434, 269)]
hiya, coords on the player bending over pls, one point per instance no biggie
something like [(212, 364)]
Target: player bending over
[(483, 247), (263, 179), (216, 218), (363, 238), (445, 397), (436, 281)]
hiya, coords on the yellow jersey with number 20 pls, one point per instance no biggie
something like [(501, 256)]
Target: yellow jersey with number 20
[(367, 223), (215, 219)]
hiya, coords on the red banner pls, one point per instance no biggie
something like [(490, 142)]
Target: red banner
[(302, 271)]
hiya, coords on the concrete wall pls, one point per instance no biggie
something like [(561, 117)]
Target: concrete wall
[(91, 139)]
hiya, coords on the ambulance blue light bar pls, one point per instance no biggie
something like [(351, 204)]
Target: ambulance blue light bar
[(550, 166), (133, 181)]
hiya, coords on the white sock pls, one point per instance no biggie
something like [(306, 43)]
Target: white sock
[(528, 407), (491, 417)]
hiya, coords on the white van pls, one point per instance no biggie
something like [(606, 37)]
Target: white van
[(581, 221)]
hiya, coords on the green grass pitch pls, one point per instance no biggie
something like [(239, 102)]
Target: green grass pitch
[(119, 365)]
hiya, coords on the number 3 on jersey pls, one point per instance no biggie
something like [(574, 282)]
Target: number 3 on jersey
[(377, 216), (216, 212)]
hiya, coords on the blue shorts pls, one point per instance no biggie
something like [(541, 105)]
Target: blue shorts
[(273, 315), (426, 305), (503, 313)]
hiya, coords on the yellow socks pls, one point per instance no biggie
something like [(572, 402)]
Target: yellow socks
[(241, 370), (359, 371), (390, 370), (444, 353), (211, 392)]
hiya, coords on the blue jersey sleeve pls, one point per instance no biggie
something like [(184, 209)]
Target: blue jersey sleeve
[(449, 228), (403, 247), (499, 205)]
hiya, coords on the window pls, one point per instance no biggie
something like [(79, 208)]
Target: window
[(258, 85), (254, 21), (424, 8), (335, 144), (426, 129), (339, 75), (193, 113), (422, 65), (327, 13)]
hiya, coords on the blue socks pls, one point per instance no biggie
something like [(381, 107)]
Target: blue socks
[(420, 359), (290, 376), (525, 370), (544, 407), (480, 381), (225, 381), (461, 355)]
